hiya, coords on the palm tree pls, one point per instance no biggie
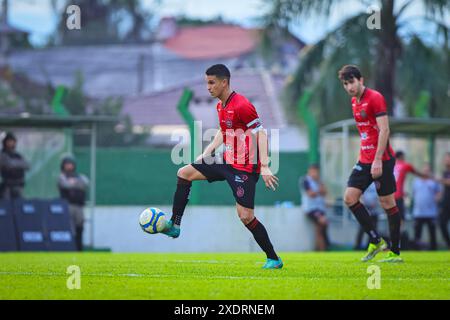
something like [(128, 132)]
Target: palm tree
[(382, 54)]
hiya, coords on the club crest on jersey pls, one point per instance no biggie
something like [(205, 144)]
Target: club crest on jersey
[(229, 123), (240, 192), (364, 135)]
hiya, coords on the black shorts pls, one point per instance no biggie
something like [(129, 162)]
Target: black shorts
[(315, 215), (361, 178), (242, 183)]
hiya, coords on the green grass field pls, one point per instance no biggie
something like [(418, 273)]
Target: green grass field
[(334, 275)]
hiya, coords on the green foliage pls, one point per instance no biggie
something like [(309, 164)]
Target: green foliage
[(74, 100), (433, 66), (19, 94), (351, 43), (400, 67), (8, 100)]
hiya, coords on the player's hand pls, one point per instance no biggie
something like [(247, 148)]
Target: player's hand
[(377, 169), (270, 180)]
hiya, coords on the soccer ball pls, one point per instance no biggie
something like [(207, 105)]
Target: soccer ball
[(152, 220)]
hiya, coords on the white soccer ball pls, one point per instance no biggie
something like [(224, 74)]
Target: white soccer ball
[(152, 220)]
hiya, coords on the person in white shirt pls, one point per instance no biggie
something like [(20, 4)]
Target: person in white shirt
[(426, 193), (313, 204)]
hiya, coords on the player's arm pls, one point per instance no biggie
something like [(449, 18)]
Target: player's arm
[(419, 174), (323, 190), (445, 181), (217, 142), (307, 187), (270, 180), (383, 137)]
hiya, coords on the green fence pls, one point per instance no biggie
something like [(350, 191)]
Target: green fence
[(148, 177)]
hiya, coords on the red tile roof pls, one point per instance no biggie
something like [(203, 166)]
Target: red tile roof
[(210, 42)]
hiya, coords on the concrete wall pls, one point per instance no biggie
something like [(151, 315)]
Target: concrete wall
[(209, 229)]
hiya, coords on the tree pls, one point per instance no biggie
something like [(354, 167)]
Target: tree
[(382, 54)]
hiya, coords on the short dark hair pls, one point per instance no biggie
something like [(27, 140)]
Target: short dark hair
[(314, 166), (220, 71), (399, 154), (349, 72)]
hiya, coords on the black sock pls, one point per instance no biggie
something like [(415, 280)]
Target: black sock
[(394, 228), (180, 200), (362, 215), (262, 238)]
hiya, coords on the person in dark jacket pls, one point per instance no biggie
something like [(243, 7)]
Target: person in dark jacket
[(12, 167), (72, 187)]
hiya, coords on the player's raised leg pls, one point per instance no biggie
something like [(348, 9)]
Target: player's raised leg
[(393, 214), (261, 236), (377, 244), (185, 176)]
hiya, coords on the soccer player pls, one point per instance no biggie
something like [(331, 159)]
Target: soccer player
[(245, 158), (401, 169), (376, 163)]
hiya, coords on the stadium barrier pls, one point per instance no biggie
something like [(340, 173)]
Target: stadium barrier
[(35, 225), (8, 240)]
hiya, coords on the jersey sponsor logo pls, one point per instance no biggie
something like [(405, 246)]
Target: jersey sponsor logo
[(369, 147), (364, 135), (363, 123), (365, 104), (357, 167)]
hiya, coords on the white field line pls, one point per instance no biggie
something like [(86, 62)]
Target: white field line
[(135, 275)]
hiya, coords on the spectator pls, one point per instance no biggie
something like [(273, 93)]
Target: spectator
[(445, 210), (313, 199), (72, 187), (401, 169), (13, 167), (370, 200), (425, 209)]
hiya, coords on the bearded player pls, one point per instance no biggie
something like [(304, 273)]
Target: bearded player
[(244, 160), (376, 163)]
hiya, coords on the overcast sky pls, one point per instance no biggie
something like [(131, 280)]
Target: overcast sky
[(38, 17)]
